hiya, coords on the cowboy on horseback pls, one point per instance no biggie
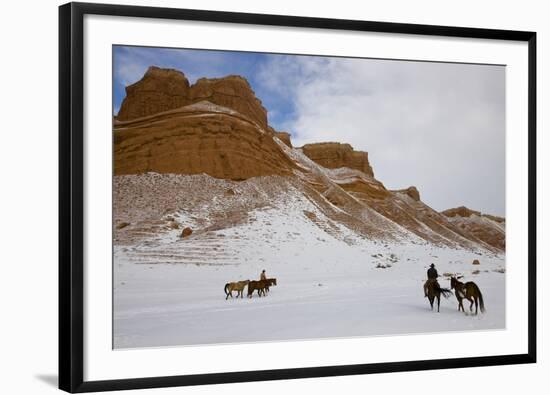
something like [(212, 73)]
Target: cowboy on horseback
[(432, 278)]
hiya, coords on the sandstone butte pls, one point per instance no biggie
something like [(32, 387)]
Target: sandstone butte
[(167, 89), (216, 126), (335, 155), (219, 127)]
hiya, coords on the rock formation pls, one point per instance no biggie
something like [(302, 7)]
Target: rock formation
[(461, 211), (217, 129), (411, 191), (488, 228), (232, 92), (199, 138), (186, 232), (159, 90), (336, 155), (284, 137), (167, 89)]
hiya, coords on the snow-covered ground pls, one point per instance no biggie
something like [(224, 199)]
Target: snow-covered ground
[(330, 283)]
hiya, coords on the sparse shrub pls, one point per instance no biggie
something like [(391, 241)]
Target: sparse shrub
[(122, 225), (186, 232)]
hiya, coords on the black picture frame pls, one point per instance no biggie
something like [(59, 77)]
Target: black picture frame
[(71, 182)]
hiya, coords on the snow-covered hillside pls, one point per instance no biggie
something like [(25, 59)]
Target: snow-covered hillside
[(332, 281)]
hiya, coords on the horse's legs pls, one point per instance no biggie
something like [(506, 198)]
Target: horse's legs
[(438, 302), (471, 300), (431, 299), (475, 299)]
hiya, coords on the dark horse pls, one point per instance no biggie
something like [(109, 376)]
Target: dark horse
[(435, 291), (269, 283), (469, 291), (261, 286)]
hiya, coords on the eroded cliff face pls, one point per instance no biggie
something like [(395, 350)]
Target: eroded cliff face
[(199, 138), (167, 89), (335, 155)]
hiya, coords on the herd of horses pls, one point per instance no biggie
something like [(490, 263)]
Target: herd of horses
[(469, 291), (262, 286)]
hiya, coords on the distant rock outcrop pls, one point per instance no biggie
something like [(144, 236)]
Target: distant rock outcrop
[(284, 137), (411, 191), (488, 228), (461, 211), (465, 212), (335, 155), (167, 89)]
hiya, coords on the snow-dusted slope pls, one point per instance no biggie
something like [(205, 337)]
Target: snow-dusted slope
[(169, 290)]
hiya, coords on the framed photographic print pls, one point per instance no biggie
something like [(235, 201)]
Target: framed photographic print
[(250, 197)]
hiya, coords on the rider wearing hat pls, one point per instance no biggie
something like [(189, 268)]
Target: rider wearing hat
[(432, 277), (262, 275)]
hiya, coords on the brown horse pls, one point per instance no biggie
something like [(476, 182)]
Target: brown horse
[(256, 286), (469, 291), (238, 286), (260, 286), (435, 291)]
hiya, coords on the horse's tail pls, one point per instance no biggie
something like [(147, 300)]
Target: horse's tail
[(225, 289), (446, 292), (481, 304)]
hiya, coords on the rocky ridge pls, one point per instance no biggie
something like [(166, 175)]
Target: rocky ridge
[(218, 128)]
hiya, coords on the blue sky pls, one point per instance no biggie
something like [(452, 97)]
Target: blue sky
[(437, 126)]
